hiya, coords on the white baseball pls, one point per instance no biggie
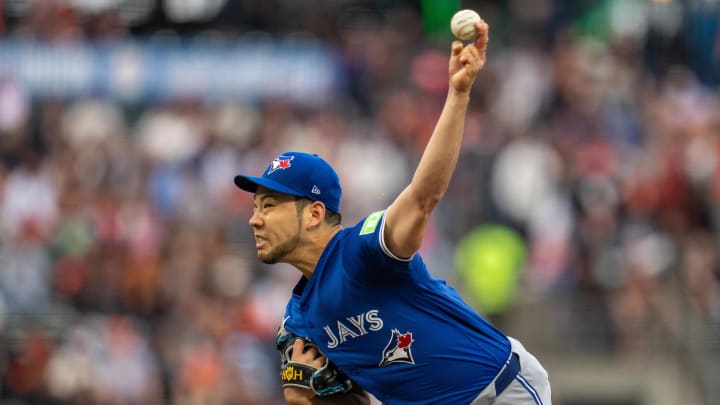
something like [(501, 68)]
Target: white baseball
[(462, 24)]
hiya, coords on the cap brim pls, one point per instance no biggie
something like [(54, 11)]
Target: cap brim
[(251, 183)]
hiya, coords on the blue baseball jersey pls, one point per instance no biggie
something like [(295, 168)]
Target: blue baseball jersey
[(403, 335)]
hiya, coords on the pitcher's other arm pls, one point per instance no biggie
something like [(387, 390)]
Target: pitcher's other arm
[(407, 216)]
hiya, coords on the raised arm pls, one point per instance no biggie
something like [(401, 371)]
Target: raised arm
[(407, 216)]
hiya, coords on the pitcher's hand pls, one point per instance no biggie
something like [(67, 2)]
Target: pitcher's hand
[(310, 356), (466, 61)]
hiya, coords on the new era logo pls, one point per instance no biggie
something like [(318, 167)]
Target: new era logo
[(315, 190)]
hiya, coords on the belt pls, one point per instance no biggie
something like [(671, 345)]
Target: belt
[(508, 373)]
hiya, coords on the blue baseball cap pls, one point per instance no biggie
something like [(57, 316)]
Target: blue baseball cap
[(299, 174)]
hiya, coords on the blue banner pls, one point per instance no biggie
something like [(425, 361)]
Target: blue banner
[(301, 71)]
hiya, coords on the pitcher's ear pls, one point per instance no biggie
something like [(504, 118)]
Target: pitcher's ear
[(316, 213)]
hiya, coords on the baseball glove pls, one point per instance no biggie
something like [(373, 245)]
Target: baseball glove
[(323, 381)]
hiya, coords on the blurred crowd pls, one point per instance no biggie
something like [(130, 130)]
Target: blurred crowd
[(127, 268)]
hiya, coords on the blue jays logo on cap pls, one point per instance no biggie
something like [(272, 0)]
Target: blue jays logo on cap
[(280, 162), (300, 174)]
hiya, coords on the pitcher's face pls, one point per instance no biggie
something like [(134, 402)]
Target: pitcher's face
[(276, 225)]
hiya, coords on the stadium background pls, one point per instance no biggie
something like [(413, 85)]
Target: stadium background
[(583, 218)]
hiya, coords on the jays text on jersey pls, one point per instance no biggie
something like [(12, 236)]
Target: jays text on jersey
[(402, 334)]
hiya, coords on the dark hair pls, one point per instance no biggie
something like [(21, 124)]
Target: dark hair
[(331, 218)]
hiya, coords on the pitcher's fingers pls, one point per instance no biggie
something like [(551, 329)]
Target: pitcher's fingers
[(318, 356), (457, 47), (312, 351), (471, 51), (483, 30), (298, 348)]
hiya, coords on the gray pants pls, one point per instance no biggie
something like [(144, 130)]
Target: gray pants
[(530, 387)]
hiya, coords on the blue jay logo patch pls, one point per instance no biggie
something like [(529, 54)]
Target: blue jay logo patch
[(398, 349)]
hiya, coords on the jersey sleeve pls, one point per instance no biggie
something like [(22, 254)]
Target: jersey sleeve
[(366, 251)]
